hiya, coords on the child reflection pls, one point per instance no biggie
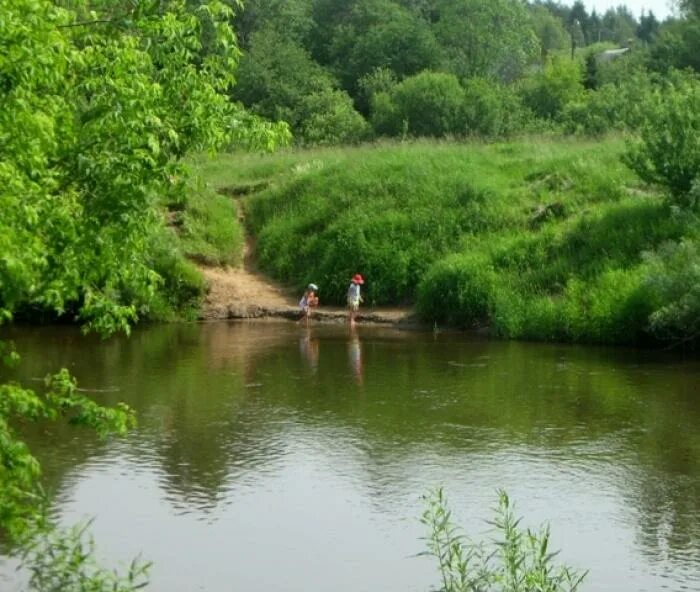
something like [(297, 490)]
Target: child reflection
[(308, 346), (355, 355)]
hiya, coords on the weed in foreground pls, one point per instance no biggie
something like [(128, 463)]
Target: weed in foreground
[(516, 561)]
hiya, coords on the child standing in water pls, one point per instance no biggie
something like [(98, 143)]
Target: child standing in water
[(308, 300), (354, 297)]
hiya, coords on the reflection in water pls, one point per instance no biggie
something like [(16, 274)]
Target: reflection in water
[(243, 455), (309, 347), (355, 355)]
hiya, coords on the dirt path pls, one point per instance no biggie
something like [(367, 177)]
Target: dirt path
[(243, 292)]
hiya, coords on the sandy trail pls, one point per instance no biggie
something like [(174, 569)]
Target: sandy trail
[(243, 292)]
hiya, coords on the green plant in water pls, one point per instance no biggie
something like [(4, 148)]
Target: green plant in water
[(520, 560)]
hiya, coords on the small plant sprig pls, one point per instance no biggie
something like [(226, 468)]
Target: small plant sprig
[(519, 562)]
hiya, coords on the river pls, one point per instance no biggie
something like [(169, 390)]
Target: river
[(274, 457)]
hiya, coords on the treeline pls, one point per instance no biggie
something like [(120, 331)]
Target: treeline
[(341, 71)]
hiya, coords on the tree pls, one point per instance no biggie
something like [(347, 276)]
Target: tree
[(618, 25), (98, 108), (549, 29), (293, 18), (363, 35), (594, 28), (690, 7), (492, 38), (427, 104), (648, 27), (279, 80), (276, 74), (578, 17), (548, 92), (668, 149), (677, 46)]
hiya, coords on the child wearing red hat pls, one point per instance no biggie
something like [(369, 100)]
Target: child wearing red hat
[(354, 297)]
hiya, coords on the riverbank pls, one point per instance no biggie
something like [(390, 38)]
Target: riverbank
[(243, 293), (537, 238)]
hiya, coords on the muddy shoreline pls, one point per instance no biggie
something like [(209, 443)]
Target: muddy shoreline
[(396, 317)]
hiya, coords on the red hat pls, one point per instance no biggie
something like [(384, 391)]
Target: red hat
[(357, 279)]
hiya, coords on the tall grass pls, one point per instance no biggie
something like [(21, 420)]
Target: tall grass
[(538, 238)]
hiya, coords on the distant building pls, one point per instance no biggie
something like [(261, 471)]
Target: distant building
[(612, 54)]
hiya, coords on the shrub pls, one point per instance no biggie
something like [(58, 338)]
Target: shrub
[(328, 117), (547, 93), (430, 104), (385, 117), (65, 560), (673, 277), (379, 80), (491, 109), (181, 286), (609, 308), (610, 107), (668, 150), (458, 290)]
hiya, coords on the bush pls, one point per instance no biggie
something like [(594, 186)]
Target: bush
[(548, 92), (616, 106), (612, 307), (65, 560), (491, 109), (328, 117), (181, 286), (379, 80), (427, 104), (458, 290), (673, 277), (668, 150), (279, 80)]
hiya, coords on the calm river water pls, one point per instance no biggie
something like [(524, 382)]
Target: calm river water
[(272, 457)]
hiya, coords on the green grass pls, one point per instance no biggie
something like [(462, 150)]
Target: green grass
[(205, 220), (539, 238), (210, 232)]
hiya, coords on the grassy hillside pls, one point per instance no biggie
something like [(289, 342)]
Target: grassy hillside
[(538, 238)]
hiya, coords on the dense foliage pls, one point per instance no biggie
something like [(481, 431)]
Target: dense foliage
[(551, 60), (97, 110), (668, 152)]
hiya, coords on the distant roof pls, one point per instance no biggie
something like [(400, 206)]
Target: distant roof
[(611, 54)]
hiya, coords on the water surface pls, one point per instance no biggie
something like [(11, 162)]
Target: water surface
[(272, 457)]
